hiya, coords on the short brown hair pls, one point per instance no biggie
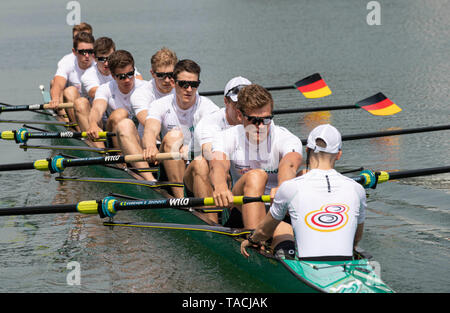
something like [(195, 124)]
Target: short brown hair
[(82, 37), (163, 57), (186, 66), (82, 27), (103, 45), (253, 97), (119, 59)]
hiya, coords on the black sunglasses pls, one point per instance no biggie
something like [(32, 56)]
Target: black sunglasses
[(125, 75), (235, 90), (163, 75), (186, 83), (256, 120), (85, 51), (102, 59)]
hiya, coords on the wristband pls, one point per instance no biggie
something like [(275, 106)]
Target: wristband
[(249, 238)]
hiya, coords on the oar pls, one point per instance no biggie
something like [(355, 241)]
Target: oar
[(220, 92), (370, 179), (71, 148), (312, 86), (146, 183), (235, 232), (40, 112), (59, 163), (33, 107), (64, 124), (391, 133), (109, 206), (22, 135), (377, 104)]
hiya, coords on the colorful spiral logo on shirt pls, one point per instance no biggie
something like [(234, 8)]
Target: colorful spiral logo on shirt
[(330, 217)]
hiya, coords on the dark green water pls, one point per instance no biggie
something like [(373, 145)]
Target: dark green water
[(271, 43)]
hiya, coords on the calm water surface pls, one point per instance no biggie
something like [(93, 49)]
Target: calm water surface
[(271, 43)]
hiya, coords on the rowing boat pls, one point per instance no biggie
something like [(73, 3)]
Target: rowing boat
[(282, 275)]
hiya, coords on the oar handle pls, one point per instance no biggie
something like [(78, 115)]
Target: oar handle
[(65, 105), (159, 157)]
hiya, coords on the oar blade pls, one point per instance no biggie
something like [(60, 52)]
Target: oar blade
[(379, 104), (313, 87)]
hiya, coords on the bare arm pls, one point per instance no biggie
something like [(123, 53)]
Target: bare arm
[(152, 128), (287, 169), (98, 108), (219, 167), (91, 92), (142, 116), (56, 91), (263, 232), (358, 234)]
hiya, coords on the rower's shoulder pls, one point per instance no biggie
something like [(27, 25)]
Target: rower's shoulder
[(67, 59)]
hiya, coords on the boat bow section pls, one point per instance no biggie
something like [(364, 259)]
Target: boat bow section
[(356, 276)]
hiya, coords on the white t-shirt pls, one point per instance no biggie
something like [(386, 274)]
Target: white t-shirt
[(69, 69), (325, 208), (171, 116), (116, 99), (92, 78), (245, 155), (208, 127), (146, 94)]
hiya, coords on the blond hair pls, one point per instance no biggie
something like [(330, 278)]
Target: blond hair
[(82, 27), (164, 57)]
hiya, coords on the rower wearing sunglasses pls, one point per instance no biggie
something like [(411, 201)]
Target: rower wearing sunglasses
[(174, 118), (113, 98), (92, 78), (161, 85), (66, 85), (259, 156), (196, 178)]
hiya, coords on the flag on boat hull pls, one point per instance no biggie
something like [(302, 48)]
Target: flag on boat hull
[(379, 104), (313, 86)]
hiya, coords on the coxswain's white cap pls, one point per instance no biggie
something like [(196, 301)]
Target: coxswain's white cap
[(233, 83), (329, 134)]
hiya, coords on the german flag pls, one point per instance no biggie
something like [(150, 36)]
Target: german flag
[(379, 104), (313, 86)]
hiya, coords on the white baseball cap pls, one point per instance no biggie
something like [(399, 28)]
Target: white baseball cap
[(232, 88), (327, 133)]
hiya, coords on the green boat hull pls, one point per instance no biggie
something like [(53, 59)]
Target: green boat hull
[(287, 276)]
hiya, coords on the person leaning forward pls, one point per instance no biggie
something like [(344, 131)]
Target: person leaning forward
[(174, 118), (259, 156), (196, 177), (327, 209)]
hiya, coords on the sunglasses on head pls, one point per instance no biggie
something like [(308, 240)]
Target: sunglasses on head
[(85, 51), (102, 59), (235, 90), (125, 75), (257, 120), (163, 75), (187, 83)]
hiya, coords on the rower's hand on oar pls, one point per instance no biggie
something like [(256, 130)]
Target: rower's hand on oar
[(93, 131), (53, 104), (273, 192), (223, 197), (150, 153)]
